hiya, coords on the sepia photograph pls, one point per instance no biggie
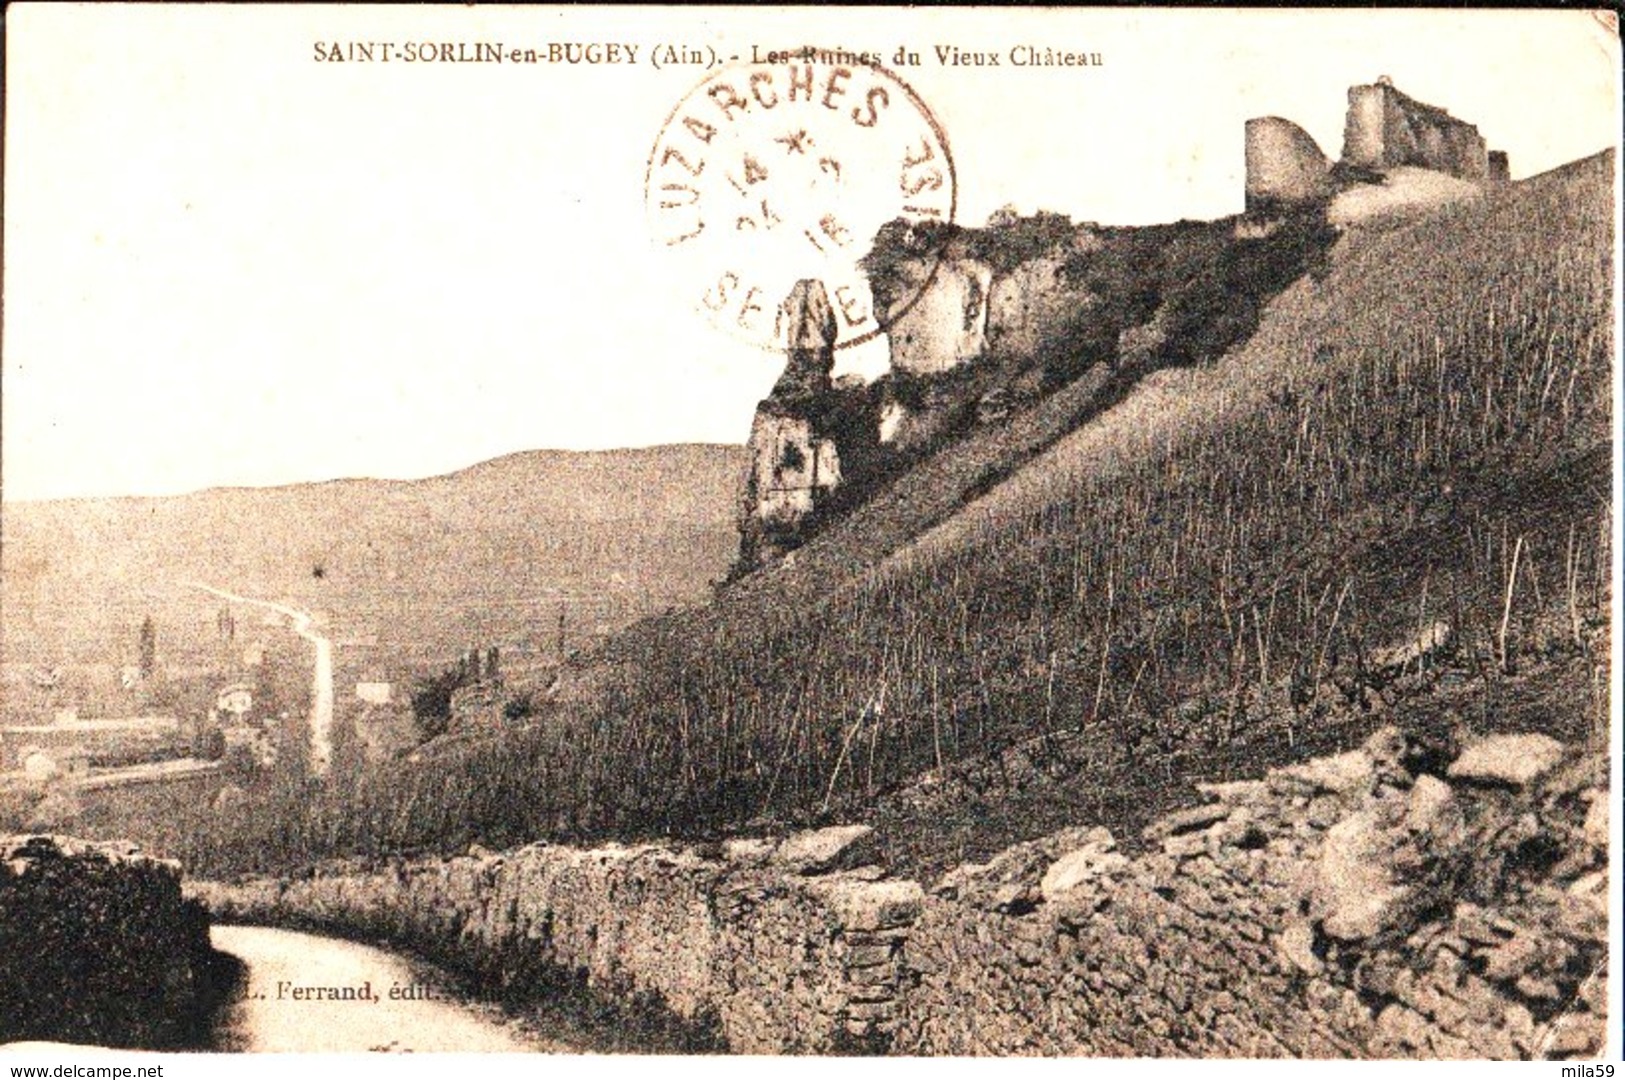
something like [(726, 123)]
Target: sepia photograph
[(889, 533)]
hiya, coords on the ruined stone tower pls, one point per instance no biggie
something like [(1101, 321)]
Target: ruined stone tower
[(1284, 163), (1386, 128)]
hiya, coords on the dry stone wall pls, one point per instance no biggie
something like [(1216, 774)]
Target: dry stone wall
[(98, 946), (772, 948), (1346, 907), (1397, 900)]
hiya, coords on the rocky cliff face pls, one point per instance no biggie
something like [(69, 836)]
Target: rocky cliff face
[(100, 947), (810, 437), (1394, 900)]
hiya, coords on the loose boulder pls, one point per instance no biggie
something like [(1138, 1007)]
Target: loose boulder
[(823, 850), (1512, 760)]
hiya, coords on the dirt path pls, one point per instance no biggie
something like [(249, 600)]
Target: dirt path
[(384, 1002)]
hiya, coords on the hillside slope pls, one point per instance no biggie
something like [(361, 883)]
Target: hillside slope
[(1393, 283), (424, 567), (1216, 574)]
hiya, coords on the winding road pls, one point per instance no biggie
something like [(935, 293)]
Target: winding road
[(321, 699), (286, 1002)]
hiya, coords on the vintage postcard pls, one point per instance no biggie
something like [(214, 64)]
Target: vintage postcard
[(894, 532)]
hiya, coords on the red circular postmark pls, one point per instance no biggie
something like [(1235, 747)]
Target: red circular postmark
[(768, 173)]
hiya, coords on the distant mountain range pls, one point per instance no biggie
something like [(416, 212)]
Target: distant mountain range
[(423, 568)]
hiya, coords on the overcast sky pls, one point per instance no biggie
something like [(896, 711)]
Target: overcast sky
[(227, 263)]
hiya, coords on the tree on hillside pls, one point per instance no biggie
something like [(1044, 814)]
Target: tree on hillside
[(147, 648), (431, 700)]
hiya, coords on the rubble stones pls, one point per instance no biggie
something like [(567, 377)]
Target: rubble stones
[(1081, 866), (1297, 947), (751, 852), (1392, 755), (1235, 792), (1321, 913), (1183, 821), (822, 850), (1596, 824), (1342, 774), (1515, 760), (1583, 909), (1354, 893), (1010, 881), (955, 880), (1430, 801), (878, 905)]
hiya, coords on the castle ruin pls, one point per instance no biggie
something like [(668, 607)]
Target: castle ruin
[(1284, 162), (973, 316), (1387, 128), (1384, 129)]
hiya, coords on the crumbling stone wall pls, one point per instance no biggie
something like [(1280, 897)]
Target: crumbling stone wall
[(955, 302), (1373, 904), (810, 438), (945, 322), (1386, 128), (98, 946), (1030, 305), (794, 467), (1398, 900), (1500, 167)]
